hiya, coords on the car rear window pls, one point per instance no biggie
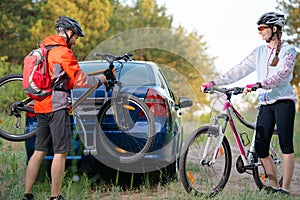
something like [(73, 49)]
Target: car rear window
[(136, 74), (132, 74)]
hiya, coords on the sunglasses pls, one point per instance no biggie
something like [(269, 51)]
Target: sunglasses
[(262, 28)]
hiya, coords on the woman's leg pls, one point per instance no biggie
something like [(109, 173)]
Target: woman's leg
[(285, 116), (264, 130)]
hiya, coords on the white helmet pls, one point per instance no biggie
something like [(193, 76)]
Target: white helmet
[(272, 18)]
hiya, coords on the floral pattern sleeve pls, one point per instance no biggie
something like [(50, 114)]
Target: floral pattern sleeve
[(238, 72), (284, 72)]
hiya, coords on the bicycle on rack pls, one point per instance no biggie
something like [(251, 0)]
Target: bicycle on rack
[(124, 112), (206, 162)]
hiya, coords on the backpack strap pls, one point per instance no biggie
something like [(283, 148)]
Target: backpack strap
[(57, 85), (52, 46)]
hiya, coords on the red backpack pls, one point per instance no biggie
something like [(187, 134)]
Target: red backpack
[(36, 78)]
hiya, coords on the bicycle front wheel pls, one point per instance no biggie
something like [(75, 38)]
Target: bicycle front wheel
[(259, 174), (129, 136), (203, 172), (12, 111)]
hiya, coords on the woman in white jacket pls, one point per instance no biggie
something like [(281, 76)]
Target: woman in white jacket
[(274, 64)]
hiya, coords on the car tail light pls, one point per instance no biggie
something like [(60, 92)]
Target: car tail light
[(30, 115), (156, 103)]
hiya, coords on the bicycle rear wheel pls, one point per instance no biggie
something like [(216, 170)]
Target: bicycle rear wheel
[(12, 113), (131, 136), (198, 174), (259, 174)]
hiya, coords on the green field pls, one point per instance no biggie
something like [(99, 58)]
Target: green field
[(12, 180)]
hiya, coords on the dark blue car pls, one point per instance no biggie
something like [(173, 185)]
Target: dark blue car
[(146, 81)]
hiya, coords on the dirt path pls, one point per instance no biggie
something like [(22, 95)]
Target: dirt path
[(246, 180)]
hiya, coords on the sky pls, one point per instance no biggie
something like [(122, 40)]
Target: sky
[(228, 26)]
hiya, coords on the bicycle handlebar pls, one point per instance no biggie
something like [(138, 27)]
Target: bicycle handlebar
[(233, 90), (111, 58), (110, 73)]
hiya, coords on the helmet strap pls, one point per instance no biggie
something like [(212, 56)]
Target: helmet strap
[(273, 33), (69, 38)]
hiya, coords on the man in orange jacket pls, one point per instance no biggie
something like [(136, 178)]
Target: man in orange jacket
[(53, 122)]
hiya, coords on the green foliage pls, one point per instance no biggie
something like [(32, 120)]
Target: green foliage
[(92, 15), (291, 9), (11, 170), (7, 67), (16, 20)]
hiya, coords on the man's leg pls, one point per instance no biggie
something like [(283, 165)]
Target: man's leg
[(33, 169), (61, 139), (57, 173)]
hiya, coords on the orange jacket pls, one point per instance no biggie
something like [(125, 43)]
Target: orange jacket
[(65, 74)]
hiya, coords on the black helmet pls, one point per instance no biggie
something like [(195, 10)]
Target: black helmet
[(272, 18), (69, 23)]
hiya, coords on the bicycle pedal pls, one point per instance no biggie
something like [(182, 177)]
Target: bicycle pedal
[(251, 166)]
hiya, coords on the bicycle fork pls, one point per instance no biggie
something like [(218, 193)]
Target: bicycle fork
[(220, 136)]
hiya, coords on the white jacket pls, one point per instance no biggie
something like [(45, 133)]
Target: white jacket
[(275, 80)]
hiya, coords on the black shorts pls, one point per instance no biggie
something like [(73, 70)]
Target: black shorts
[(281, 113), (53, 130)]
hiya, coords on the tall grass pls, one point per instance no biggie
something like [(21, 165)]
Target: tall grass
[(12, 181)]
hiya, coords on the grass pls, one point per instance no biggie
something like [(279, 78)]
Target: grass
[(12, 175), (12, 181)]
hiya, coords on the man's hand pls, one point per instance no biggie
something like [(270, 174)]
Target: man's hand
[(102, 78)]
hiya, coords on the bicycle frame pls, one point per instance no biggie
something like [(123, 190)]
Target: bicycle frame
[(91, 149), (232, 113), (208, 155)]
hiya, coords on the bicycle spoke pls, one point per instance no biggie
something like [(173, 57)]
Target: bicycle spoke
[(199, 171), (126, 129), (13, 119)]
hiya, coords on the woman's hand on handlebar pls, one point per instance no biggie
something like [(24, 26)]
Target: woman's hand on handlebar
[(204, 86), (251, 87)]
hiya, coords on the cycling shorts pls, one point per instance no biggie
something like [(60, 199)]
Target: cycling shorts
[(282, 114), (53, 132)]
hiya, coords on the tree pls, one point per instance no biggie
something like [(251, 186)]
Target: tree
[(116, 26), (291, 8), (92, 15), (16, 19), (144, 28)]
